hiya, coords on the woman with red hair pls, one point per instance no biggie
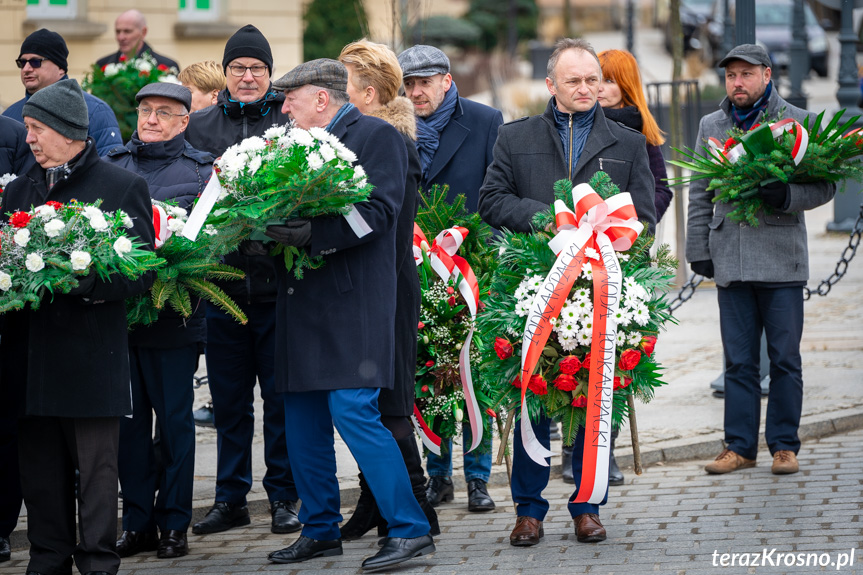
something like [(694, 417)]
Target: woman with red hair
[(621, 96)]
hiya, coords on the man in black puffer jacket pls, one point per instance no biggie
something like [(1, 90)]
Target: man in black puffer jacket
[(164, 355), (237, 355)]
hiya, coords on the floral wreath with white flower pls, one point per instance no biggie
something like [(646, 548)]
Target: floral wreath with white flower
[(48, 248), (558, 389), (288, 173), (4, 181)]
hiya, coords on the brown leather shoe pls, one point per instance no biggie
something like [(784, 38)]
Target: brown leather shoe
[(588, 529), (784, 463), (728, 461), (527, 532)]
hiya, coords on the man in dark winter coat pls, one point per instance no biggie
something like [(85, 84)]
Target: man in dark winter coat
[(130, 30), (42, 61), (74, 350), (348, 308), (15, 155), (238, 355), (455, 138), (571, 139), (164, 355)]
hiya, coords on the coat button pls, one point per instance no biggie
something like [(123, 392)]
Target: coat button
[(290, 291)]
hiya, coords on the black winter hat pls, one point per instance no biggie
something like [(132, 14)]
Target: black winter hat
[(47, 44), (248, 42)]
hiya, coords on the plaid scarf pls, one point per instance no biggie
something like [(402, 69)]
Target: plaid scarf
[(744, 119)]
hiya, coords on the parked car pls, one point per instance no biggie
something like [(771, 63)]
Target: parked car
[(773, 19), (693, 15)]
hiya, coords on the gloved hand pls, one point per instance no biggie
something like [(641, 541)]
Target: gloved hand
[(85, 285), (774, 194), (703, 268), (251, 248), (296, 232)]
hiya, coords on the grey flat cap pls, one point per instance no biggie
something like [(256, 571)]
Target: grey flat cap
[(166, 90), (752, 53), (423, 61), (323, 72)]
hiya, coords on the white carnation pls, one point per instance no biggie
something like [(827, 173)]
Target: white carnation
[(80, 260), (127, 221), (175, 225), (54, 228), (34, 262), (176, 211), (122, 246), (45, 212), (91, 212), (21, 237), (5, 179), (99, 223), (143, 65), (5, 281), (111, 70)]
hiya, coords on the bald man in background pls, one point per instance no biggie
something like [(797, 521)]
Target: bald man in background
[(130, 29)]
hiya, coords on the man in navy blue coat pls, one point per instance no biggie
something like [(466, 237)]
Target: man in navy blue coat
[(335, 332)]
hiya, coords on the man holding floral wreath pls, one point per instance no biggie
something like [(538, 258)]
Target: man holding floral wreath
[(760, 272)]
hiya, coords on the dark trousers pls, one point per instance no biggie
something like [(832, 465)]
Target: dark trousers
[(744, 311), (237, 356), (161, 382), (49, 451), (354, 412), (529, 478), (10, 484)]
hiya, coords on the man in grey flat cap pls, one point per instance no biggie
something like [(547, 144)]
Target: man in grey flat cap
[(163, 356), (338, 384), (760, 273), (455, 139)]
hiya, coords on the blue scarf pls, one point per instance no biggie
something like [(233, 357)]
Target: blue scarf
[(339, 115), (582, 122), (744, 118), (429, 129)]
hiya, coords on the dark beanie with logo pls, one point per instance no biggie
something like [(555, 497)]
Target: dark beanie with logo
[(47, 44), (248, 42), (60, 106)]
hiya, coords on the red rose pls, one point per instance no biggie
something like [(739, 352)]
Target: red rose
[(516, 382), (122, 57), (579, 401), (626, 382), (565, 382), (20, 219), (451, 301), (729, 143), (538, 385), (162, 68), (502, 347), (585, 363), (420, 325), (53, 204), (570, 364), (648, 342), (424, 389), (430, 363), (629, 359), (491, 412), (450, 290)]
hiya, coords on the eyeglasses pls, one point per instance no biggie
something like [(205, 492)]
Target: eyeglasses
[(239, 71), (160, 114), (34, 62)]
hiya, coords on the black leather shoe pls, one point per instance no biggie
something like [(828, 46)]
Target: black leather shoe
[(172, 544), (5, 549), (285, 519), (133, 542), (306, 548), (478, 498), (439, 490), (221, 517), (397, 550)]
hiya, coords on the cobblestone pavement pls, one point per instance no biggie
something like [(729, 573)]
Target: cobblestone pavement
[(673, 519)]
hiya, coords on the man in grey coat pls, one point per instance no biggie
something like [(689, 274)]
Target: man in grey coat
[(759, 273), (571, 139)]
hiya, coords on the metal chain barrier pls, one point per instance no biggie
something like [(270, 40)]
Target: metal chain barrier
[(686, 292)]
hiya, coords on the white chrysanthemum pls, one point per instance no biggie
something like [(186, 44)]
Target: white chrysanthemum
[(569, 343), (210, 230), (521, 308), (252, 144), (176, 225), (99, 223), (315, 161), (591, 253), (359, 172), (586, 315), (21, 237), (34, 262), (567, 330), (536, 282), (344, 152), (622, 318), (54, 228), (176, 211), (301, 137), (327, 152), (255, 164), (500, 251), (623, 257), (584, 337), (143, 65), (584, 305), (45, 212), (5, 179), (80, 260), (111, 70), (122, 246), (127, 221), (319, 134), (581, 294), (5, 281), (640, 315), (587, 272), (569, 313), (634, 338), (274, 132), (621, 338)]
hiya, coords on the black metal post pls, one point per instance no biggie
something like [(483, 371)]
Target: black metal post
[(798, 65), (745, 21), (630, 26), (728, 39)]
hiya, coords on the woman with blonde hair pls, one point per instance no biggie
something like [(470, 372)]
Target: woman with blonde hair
[(205, 80), (374, 79), (621, 96)]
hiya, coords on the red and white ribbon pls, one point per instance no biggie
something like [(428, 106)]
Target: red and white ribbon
[(444, 261), (160, 224), (798, 149), (605, 226), (429, 438)]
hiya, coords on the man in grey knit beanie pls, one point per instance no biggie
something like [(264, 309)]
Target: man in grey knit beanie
[(61, 107)]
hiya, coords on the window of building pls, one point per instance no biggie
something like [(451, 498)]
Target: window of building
[(198, 10), (52, 8)]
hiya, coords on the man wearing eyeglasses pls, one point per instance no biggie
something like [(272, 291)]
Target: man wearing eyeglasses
[(42, 62), (571, 139), (238, 355), (163, 356)]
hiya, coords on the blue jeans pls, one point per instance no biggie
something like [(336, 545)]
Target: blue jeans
[(477, 463)]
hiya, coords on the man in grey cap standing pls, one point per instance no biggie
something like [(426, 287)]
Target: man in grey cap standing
[(69, 358), (338, 384), (163, 355), (455, 140), (760, 273)]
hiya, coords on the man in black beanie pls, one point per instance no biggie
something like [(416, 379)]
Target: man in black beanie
[(42, 62), (238, 355)]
